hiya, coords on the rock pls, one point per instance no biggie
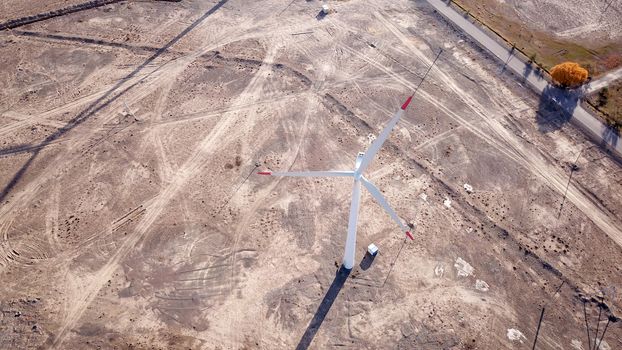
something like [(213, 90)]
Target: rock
[(481, 285), (464, 268), (439, 270), (447, 202), (516, 335)]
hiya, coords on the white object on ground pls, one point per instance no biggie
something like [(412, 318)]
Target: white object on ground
[(576, 344), (325, 9), (424, 196), (464, 268), (604, 345), (371, 138), (372, 249), (439, 270), (481, 285), (516, 335), (447, 202), (468, 188)]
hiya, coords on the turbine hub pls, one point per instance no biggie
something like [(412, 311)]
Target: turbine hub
[(359, 160)]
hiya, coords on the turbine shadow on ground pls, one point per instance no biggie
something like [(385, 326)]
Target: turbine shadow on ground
[(332, 293), (102, 102)]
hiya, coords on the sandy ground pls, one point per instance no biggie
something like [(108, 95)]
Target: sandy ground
[(578, 21), (130, 215)]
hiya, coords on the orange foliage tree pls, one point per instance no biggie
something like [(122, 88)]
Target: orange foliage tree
[(569, 74)]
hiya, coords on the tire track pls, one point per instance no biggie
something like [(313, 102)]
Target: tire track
[(504, 141), (142, 87), (165, 168), (225, 130)]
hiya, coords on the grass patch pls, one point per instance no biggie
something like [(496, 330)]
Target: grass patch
[(608, 101)]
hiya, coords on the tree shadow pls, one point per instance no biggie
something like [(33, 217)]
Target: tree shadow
[(102, 102), (332, 293), (556, 107), (367, 261)]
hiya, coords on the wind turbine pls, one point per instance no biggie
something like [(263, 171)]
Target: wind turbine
[(363, 160)]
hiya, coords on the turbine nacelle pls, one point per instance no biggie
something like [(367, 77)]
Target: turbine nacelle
[(359, 160)]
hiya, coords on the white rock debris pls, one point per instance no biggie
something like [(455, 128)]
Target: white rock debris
[(516, 335), (481, 285), (464, 268), (468, 188), (447, 202)]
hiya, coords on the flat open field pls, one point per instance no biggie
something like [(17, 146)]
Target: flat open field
[(585, 31), (131, 216)]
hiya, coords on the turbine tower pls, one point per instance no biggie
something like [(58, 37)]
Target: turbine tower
[(363, 160)]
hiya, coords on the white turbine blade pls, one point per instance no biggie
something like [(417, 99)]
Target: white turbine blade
[(385, 205), (384, 135), (331, 173)]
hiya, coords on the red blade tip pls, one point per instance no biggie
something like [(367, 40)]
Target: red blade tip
[(264, 173), (405, 105), (410, 235)]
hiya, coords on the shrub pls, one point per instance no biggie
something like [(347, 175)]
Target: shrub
[(569, 74)]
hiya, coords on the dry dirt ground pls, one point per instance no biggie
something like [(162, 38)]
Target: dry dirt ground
[(22, 8), (576, 20), (585, 31), (131, 218)]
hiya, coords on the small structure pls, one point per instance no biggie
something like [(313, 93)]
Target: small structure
[(372, 249), (325, 9)]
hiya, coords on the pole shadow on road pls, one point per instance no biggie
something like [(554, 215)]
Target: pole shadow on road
[(528, 70)]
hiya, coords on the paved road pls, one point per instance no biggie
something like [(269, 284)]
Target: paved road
[(568, 100), (607, 79)]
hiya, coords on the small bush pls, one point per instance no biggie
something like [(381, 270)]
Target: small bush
[(569, 74)]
